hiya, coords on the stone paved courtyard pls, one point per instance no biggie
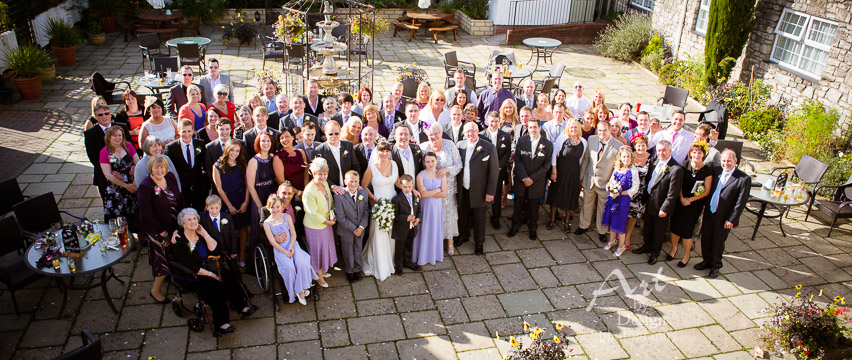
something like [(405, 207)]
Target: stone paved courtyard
[(448, 311)]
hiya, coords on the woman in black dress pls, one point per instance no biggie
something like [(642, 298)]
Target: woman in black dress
[(697, 181), (564, 192), (641, 161), (260, 180)]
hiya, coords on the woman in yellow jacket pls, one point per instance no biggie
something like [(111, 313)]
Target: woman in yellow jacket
[(319, 220)]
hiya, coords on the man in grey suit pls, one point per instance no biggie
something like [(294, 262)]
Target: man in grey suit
[(208, 83), (477, 184), (598, 164), (722, 213), (528, 97), (353, 214), (177, 93), (533, 157), (459, 79), (390, 117), (662, 192)]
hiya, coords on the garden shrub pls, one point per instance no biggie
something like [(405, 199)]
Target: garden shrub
[(687, 74), (771, 143), (760, 121), (810, 129), (653, 54), (741, 97), (839, 169), (625, 40)]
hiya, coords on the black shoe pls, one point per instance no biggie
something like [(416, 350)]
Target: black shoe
[(358, 276), (458, 242), (398, 272), (219, 332), (164, 301), (602, 238), (669, 257), (412, 266), (640, 250), (512, 231), (350, 277), (714, 273), (580, 231), (495, 223), (682, 264), (700, 266), (652, 260), (245, 314), (533, 235), (558, 216), (478, 250)]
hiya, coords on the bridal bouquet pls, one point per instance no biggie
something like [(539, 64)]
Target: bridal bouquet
[(613, 187), (383, 213)]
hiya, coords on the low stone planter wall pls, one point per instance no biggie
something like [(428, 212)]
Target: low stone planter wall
[(474, 27), (247, 14)]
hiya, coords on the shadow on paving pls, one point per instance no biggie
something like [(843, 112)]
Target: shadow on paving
[(26, 135)]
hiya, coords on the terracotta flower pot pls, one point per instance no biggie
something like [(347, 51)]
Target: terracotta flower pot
[(97, 39), (30, 88), (109, 24), (65, 56)]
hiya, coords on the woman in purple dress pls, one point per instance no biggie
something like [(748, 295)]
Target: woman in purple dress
[(623, 184), (294, 264), (260, 180), (429, 242), (319, 220)]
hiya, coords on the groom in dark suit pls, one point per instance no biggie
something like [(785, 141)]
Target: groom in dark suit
[(532, 161), (662, 193), (477, 184), (729, 197), (405, 154)]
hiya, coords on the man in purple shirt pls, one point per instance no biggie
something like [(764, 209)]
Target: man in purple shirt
[(491, 99)]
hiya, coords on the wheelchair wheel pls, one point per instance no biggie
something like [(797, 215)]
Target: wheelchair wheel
[(198, 309), (195, 324), (260, 268), (177, 308)]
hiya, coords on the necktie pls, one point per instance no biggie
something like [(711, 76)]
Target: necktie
[(369, 153), (673, 137), (408, 196), (468, 154), (601, 150), (188, 156), (714, 201), (345, 118), (389, 121), (353, 199), (654, 175), (405, 153), (216, 223)]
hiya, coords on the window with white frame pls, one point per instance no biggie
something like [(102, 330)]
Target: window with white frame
[(802, 42), (703, 17), (643, 4)]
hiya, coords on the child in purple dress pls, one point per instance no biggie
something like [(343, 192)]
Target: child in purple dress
[(294, 264), (429, 243), (621, 187)]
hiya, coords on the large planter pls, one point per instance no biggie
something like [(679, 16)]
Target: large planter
[(97, 39), (110, 24), (30, 88), (474, 27), (65, 56)]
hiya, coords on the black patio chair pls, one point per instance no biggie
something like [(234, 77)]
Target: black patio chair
[(149, 44), (409, 88), (109, 90), (11, 195), (736, 146), (271, 49), (14, 272), (810, 172), (192, 54), (39, 213), (163, 64), (840, 205), (452, 63), (90, 350), (716, 115), (674, 96)]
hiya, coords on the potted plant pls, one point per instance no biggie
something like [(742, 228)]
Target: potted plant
[(25, 64), (239, 32), (289, 28), (63, 40), (107, 12), (367, 28), (97, 36)]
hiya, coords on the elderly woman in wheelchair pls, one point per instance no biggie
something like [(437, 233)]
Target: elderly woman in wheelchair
[(197, 252)]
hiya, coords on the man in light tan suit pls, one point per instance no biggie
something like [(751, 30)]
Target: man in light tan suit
[(598, 164)]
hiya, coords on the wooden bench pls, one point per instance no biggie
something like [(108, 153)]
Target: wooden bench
[(147, 30), (443, 29), (399, 25)]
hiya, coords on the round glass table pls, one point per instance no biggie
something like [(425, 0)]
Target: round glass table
[(766, 197), (198, 40), (542, 49), (92, 260)]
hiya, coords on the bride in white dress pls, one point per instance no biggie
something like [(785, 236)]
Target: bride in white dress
[(377, 256)]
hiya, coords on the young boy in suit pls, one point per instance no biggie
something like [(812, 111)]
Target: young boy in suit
[(353, 214), (408, 216)]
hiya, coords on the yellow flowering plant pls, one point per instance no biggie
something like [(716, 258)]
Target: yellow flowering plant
[(542, 347)]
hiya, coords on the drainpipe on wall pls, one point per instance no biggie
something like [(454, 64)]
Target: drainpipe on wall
[(680, 33)]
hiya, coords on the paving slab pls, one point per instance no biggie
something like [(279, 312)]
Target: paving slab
[(370, 329)]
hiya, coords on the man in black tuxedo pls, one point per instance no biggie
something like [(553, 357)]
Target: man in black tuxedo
[(389, 118), (533, 156), (366, 148), (216, 148), (477, 184), (404, 154), (282, 108), (500, 139), (662, 192), (730, 192), (340, 155), (407, 217), (528, 97), (188, 156), (259, 117), (297, 116), (95, 141), (416, 128), (454, 131), (313, 101), (177, 93)]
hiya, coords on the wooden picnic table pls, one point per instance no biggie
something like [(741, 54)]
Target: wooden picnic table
[(159, 17)]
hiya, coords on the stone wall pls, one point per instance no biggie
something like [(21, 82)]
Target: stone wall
[(474, 27)]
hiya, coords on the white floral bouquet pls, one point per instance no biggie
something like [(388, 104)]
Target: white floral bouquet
[(613, 187), (383, 213)]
